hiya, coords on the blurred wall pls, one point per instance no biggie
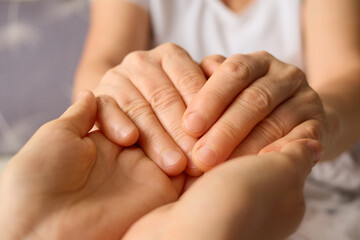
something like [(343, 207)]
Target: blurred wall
[(40, 45)]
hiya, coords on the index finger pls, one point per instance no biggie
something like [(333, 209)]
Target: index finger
[(233, 76), (184, 73)]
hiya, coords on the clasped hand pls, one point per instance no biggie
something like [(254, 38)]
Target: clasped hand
[(196, 117), (67, 183)]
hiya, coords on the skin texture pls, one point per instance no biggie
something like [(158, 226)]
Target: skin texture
[(153, 89), (246, 104), (83, 186)]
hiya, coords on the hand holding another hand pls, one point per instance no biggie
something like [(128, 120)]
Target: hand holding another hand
[(68, 184), (251, 103), (148, 92), (83, 186)]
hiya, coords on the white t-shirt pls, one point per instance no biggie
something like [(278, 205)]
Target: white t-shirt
[(205, 27)]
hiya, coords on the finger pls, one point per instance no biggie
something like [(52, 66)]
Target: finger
[(211, 63), (178, 182), (311, 129), (184, 73), (114, 123), (304, 151), (81, 116), (233, 76), (279, 123), (253, 105), (165, 100), (153, 138)]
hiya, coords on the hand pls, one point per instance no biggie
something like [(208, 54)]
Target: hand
[(68, 184), (149, 91), (252, 197), (251, 103)]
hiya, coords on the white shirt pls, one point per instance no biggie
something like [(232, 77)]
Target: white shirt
[(205, 27)]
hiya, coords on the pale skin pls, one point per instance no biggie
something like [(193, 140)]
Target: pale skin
[(325, 110), (66, 183)]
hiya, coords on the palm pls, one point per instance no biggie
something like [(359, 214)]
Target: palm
[(91, 197)]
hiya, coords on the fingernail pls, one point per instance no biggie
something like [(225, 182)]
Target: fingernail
[(170, 158), (317, 150), (206, 156), (194, 123)]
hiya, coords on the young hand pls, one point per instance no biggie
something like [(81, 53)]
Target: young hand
[(68, 184), (251, 103), (145, 97)]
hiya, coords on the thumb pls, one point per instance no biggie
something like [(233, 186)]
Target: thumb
[(210, 63), (81, 116), (306, 151)]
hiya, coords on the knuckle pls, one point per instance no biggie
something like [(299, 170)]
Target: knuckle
[(229, 131), (111, 75), (215, 58), (256, 99), (169, 46), (163, 97), (216, 96), (190, 81), (264, 54), (237, 66), (297, 75), (312, 131), (312, 97), (153, 137), (272, 129), (136, 108), (136, 58)]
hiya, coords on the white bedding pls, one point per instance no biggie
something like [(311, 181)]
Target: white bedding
[(332, 195)]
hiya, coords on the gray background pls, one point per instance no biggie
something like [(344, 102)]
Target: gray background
[(36, 74)]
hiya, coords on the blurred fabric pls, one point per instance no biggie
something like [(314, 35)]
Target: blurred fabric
[(40, 45)]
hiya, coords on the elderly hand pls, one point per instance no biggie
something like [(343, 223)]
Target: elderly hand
[(68, 184), (146, 96), (251, 103)]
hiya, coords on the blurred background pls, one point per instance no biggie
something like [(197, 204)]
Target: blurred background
[(40, 45)]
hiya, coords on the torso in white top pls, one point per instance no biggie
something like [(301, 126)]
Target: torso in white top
[(205, 27)]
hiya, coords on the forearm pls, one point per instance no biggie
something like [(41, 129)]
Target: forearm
[(116, 29), (89, 75), (341, 100)]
